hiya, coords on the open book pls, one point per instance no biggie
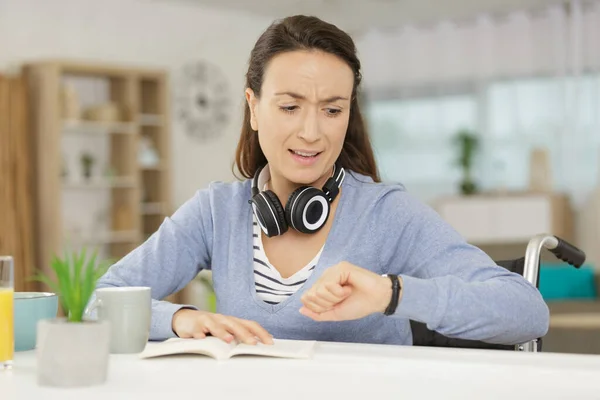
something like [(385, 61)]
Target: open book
[(220, 350)]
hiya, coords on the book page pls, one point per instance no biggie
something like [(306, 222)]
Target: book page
[(209, 346), (280, 348)]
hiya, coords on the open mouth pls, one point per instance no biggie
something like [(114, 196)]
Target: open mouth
[(305, 154)]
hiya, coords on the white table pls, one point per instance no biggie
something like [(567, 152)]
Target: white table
[(337, 371)]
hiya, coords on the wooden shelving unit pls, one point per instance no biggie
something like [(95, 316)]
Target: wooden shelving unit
[(132, 199)]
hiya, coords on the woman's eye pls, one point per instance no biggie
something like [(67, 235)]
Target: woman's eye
[(288, 109), (333, 112)]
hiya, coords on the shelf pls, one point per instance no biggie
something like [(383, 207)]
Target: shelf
[(501, 219), (101, 184), (98, 127), (107, 210), (150, 120), (158, 167), (156, 208), (109, 238)]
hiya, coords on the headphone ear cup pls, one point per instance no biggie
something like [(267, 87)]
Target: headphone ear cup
[(269, 212), (307, 209), (292, 203)]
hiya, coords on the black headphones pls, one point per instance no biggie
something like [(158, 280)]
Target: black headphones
[(306, 210)]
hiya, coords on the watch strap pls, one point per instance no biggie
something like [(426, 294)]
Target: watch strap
[(391, 308)]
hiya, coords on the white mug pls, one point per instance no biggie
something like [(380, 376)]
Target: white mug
[(128, 309)]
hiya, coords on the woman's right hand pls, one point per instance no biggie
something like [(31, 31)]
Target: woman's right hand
[(189, 323)]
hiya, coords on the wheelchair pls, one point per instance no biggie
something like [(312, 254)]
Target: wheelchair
[(527, 266)]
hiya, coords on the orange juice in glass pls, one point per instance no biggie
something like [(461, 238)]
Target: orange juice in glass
[(7, 343)]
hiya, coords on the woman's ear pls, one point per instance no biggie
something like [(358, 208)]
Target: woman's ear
[(252, 103)]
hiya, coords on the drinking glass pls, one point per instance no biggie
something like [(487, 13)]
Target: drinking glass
[(7, 343)]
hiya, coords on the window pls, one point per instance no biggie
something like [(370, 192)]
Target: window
[(412, 137)]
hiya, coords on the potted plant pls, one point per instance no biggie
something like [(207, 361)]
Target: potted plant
[(71, 351), (87, 162), (468, 143)]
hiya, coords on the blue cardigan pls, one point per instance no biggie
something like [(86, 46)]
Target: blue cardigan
[(450, 285)]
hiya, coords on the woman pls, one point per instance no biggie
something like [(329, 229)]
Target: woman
[(312, 245)]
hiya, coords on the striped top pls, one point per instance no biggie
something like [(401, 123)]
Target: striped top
[(270, 286)]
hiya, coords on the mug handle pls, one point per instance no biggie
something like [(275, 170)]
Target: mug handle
[(93, 306)]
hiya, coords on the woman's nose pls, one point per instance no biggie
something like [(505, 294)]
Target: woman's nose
[(310, 131)]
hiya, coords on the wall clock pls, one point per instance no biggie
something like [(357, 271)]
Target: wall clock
[(203, 101)]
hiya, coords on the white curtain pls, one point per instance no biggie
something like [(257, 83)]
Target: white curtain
[(553, 40)]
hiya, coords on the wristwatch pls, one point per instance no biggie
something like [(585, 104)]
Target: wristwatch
[(391, 308)]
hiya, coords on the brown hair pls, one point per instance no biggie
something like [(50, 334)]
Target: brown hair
[(306, 33)]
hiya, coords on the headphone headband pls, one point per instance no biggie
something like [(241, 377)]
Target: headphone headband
[(331, 188), (255, 180)]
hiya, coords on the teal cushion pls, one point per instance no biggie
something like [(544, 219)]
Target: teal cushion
[(563, 282)]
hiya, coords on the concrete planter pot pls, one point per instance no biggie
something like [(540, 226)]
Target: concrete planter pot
[(72, 354)]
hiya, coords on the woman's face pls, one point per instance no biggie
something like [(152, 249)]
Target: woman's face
[(302, 114)]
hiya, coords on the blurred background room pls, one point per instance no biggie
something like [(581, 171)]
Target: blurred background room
[(113, 113)]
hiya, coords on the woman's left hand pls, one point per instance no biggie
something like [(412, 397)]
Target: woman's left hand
[(346, 292)]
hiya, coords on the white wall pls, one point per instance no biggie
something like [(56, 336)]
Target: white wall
[(142, 33)]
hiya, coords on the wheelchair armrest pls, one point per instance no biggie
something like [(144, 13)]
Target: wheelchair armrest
[(527, 266), (559, 247), (568, 253), (422, 336)]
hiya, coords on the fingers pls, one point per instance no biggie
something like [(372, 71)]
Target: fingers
[(338, 292), (328, 293), (239, 330), (218, 330), (229, 328), (258, 331), (316, 304), (199, 324), (198, 335), (324, 297)]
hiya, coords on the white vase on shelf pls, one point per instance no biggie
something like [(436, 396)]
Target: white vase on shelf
[(147, 154)]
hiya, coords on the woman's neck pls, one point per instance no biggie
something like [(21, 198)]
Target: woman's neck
[(284, 188)]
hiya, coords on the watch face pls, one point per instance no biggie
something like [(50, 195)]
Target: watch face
[(202, 100)]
